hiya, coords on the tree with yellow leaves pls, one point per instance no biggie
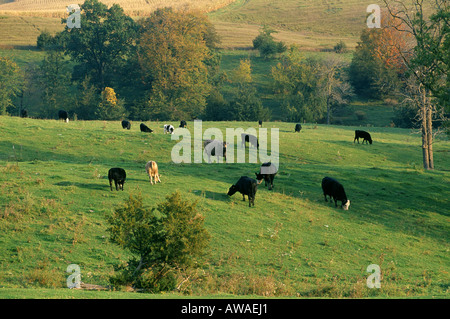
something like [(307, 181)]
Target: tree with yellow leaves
[(110, 108)]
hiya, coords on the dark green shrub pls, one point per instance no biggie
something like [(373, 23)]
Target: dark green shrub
[(166, 239)]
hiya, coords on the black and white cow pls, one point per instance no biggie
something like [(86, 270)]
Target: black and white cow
[(253, 140), (364, 135), (183, 123), (118, 175), (298, 127), (215, 148), (260, 123), (168, 129), (246, 186), (333, 188), (126, 125), (267, 173), (144, 128), (62, 115)]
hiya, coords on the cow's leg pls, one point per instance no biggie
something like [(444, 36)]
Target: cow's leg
[(243, 197), (324, 195), (335, 202), (117, 186), (110, 184)]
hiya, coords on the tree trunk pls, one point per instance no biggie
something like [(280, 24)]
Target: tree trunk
[(426, 159), (430, 135)]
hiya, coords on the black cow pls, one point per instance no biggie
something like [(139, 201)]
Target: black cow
[(253, 140), (117, 175), (126, 125), (62, 115), (246, 186), (260, 123), (364, 135), (298, 127), (183, 123), (210, 147), (144, 128), (333, 188), (267, 173), (24, 113)]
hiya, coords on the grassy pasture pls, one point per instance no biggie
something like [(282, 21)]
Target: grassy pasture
[(55, 197)]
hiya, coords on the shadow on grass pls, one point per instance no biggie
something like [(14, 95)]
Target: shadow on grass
[(223, 197)]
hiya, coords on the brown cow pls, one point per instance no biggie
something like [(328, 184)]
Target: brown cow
[(152, 170)]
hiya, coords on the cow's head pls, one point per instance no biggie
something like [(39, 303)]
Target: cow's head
[(346, 205), (233, 189), (259, 177)]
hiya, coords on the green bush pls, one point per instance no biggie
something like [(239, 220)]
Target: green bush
[(166, 239), (266, 45)]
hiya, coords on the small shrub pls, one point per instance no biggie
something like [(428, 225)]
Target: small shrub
[(165, 239), (340, 47)]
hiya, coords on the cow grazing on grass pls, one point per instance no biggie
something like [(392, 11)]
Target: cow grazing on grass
[(152, 171), (364, 135), (183, 124), (246, 186), (298, 127), (168, 129), (126, 125), (333, 188), (253, 140), (62, 115), (267, 173), (260, 123), (117, 175), (24, 113), (215, 148), (144, 128)]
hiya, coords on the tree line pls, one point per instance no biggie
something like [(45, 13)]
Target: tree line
[(167, 67)]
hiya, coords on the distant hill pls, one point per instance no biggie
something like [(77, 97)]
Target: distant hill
[(132, 6)]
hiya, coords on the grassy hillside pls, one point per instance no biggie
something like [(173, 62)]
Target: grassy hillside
[(55, 198), (49, 7)]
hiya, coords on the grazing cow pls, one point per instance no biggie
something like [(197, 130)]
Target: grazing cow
[(298, 127), (152, 171), (215, 148), (364, 135), (24, 113), (144, 128), (260, 123), (126, 125), (168, 129), (183, 123), (62, 115), (267, 173), (118, 175), (246, 186), (333, 188), (252, 139)]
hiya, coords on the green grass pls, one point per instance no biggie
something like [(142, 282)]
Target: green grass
[(55, 198)]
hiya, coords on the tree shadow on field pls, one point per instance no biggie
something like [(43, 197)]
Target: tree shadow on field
[(86, 185), (223, 197)]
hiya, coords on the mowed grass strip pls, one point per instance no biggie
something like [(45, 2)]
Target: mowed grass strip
[(55, 197)]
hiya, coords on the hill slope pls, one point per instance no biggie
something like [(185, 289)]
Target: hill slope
[(55, 198), (145, 6)]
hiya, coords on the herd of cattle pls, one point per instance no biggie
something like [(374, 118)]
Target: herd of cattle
[(245, 185)]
